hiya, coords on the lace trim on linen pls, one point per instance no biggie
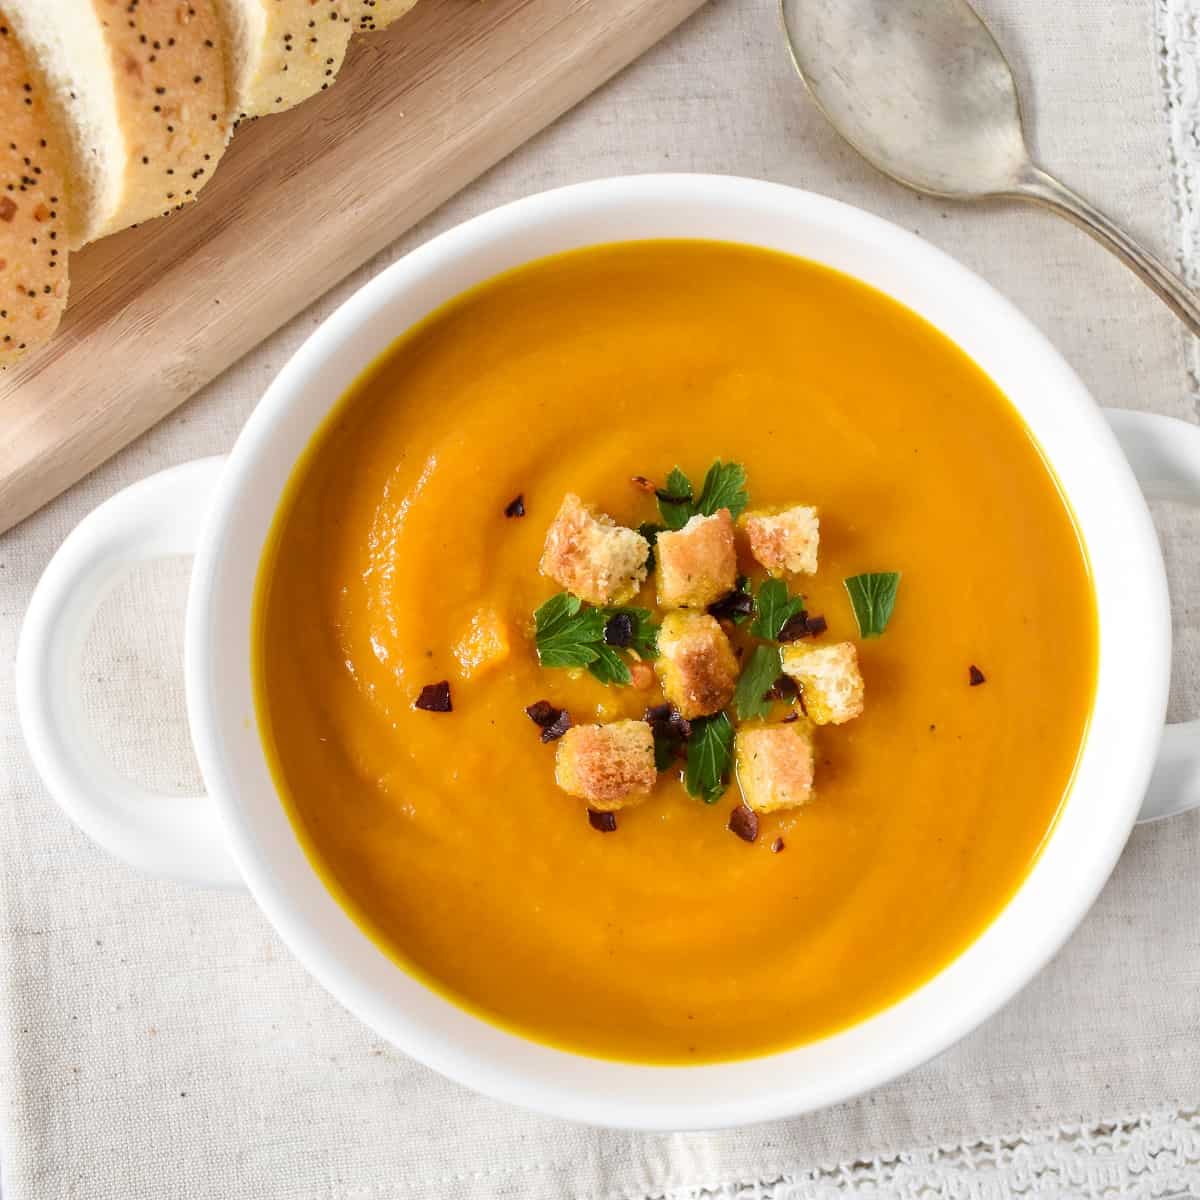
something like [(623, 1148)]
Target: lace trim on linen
[(1177, 29), (1152, 1157)]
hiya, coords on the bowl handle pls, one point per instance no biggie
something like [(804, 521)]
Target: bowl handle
[(1165, 456), (180, 837)]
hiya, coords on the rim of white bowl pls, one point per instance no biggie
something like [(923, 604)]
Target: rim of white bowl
[(560, 1083)]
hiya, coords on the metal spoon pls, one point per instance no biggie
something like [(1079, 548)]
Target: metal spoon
[(923, 92)]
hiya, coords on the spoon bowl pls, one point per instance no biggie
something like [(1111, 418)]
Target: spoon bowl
[(922, 90)]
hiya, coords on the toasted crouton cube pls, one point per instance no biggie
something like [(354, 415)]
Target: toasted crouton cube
[(784, 542), (696, 663), (698, 563), (484, 645), (775, 766), (609, 766), (593, 557), (830, 683)]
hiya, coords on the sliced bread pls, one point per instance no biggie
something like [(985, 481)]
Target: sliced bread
[(370, 15), (168, 62), (33, 209), (279, 52), (138, 90), (64, 38)]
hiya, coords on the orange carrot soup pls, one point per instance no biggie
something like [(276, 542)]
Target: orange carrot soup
[(673, 651)]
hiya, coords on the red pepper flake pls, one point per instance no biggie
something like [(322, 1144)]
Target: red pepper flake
[(736, 603), (643, 484), (641, 676), (549, 717), (542, 713), (784, 688), (553, 721), (792, 716), (560, 725), (619, 630), (977, 676), (602, 822), (802, 626), (516, 506), (777, 845), (743, 822), (435, 697), (666, 721), (794, 628)]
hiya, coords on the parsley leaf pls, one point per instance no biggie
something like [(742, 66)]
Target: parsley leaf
[(675, 500), (566, 632), (571, 634), (773, 609), (608, 666), (757, 678), (650, 532), (724, 487), (873, 597), (664, 751), (709, 752)]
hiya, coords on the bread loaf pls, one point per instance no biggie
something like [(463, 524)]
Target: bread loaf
[(33, 209), (370, 15), (167, 62), (137, 88), (279, 52)]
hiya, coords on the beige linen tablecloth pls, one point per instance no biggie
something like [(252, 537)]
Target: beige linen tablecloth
[(159, 1042)]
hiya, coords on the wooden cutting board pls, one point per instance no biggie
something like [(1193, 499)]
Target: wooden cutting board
[(299, 201)]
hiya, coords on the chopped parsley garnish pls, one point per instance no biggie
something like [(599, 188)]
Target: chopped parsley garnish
[(570, 633), (873, 597), (675, 500), (773, 609), (650, 532), (724, 487), (709, 752), (756, 680), (567, 631)]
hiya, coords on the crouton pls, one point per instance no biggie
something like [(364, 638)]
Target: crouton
[(484, 644), (698, 563), (784, 542), (593, 557), (609, 766), (774, 766), (830, 683), (696, 663)]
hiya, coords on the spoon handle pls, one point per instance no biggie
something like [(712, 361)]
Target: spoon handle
[(1043, 188)]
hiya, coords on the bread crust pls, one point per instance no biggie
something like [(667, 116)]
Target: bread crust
[(592, 556), (831, 684), (303, 47), (698, 563), (371, 15), (695, 663), (775, 766), (610, 766), (33, 207), (168, 68), (784, 542)]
